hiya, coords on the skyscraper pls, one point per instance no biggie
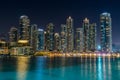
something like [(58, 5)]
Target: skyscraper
[(106, 32), (70, 34), (86, 43), (13, 36), (33, 36), (89, 36), (92, 37), (79, 40), (49, 37), (24, 28), (63, 38), (57, 42), (40, 40)]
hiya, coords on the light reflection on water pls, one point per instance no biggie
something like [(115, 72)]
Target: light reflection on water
[(59, 68), (100, 71), (22, 68), (39, 68)]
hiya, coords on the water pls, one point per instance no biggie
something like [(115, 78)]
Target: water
[(59, 68)]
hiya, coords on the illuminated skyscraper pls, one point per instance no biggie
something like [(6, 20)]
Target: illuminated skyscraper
[(33, 36), (86, 35), (106, 32), (70, 34), (40, 40), (63, 38), (24, 28), (79, 40), (13, 36), (89, 36), (92, 37), (57, 42), (49, 37)]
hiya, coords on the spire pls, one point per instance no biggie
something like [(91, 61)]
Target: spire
[(69, 17), (86, 20)]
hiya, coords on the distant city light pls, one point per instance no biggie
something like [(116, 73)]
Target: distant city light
[(23, 41), (3, 42), (40, 29), (99, 47)]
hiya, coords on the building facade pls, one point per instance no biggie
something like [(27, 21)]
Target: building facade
[(63, 38), (24, 28), (33, 36), (106, 32), (57, 42), (92, 37), (40, 40), (79, 40), (86, 44), (70, 34), (13, 36), (49, 37)]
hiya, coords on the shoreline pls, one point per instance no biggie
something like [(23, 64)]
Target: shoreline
[(86, 55), (72, 55)]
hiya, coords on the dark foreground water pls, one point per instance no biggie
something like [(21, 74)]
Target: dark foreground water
[(43, 68)]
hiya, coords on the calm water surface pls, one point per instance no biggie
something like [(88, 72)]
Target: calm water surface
[(59, 68)]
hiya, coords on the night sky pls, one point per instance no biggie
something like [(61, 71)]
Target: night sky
[(41, 12)]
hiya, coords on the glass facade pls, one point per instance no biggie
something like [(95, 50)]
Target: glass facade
[(24, 28), (40, 40), (106, 32)]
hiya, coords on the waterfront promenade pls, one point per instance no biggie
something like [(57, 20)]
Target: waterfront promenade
[(59, 54), (83, 54)]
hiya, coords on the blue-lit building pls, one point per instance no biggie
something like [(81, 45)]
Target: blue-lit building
[(40, 40), (92, 37), (106, 32)]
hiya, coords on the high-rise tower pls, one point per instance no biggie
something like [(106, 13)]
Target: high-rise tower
[(24, 28), (13, 36), (86, 35), (70, 34), (33, 36), (106, 32), (57, 42), (63, 38), (40, 39), (92, 37), (49, 37), (79, 40)]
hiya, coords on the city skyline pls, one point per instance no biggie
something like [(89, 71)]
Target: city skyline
[(30, 36), (44, 12), (25, 24), (59, 40)]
